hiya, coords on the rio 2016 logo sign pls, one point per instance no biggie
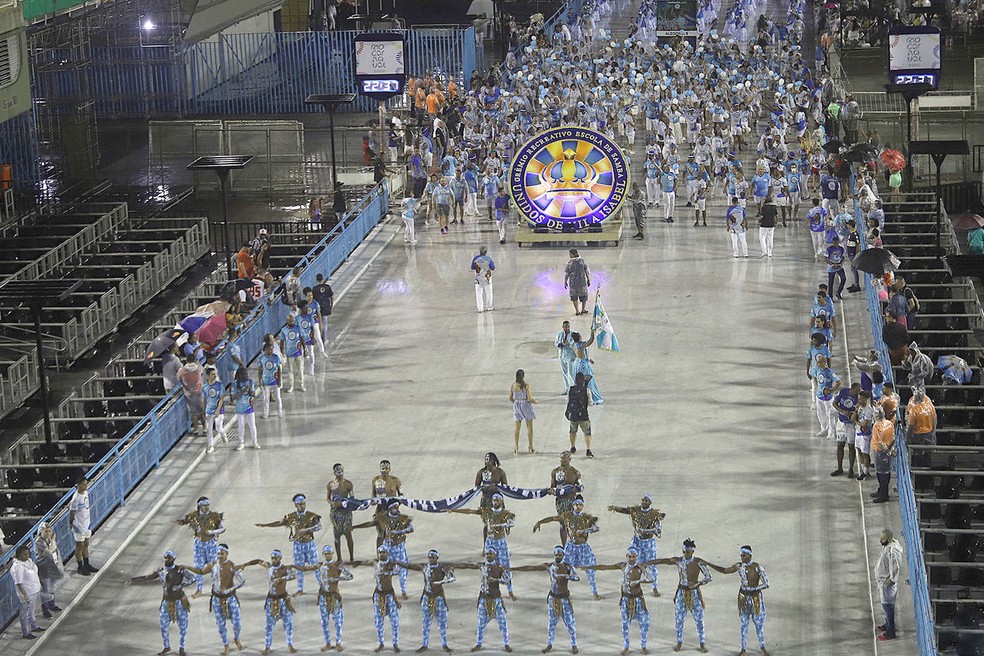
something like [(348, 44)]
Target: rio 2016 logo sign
[(568, 178)]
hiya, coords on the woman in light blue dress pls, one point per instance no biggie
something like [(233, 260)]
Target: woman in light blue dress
[(582, 363), (521, 396)]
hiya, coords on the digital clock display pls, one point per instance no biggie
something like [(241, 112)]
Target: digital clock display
[(381, 86), (915, 78)]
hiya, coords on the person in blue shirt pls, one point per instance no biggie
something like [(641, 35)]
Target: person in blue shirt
[(315, 307), (794, 185), (192, 350), (564, 341), (483, 266), (864, 419), (737, 226), (501, 213), (459, 189), (242, 395), (761, 182), (817, 220), (490, 186), (667, 181), (471, 181), (213, 391), (818, 346), (844, 404), (308, 326), (292, 346), (835, 267), (652, 180), (827, 385), (270, 370), (690, 177), (418, 173), (824, 304), (830, 191)]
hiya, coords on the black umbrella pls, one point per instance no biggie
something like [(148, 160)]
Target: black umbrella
[(163, 342), (876, 261), (833, 146), (855, 156), (866, 149)]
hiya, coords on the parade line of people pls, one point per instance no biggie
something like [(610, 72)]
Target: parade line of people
[(571, 559)]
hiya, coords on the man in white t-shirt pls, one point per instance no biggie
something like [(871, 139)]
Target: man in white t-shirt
[(24, 572), (79, 519)]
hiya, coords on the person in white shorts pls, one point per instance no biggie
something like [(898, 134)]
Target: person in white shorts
[(845, 402), (864, 419), (79, 519), (271, 367)]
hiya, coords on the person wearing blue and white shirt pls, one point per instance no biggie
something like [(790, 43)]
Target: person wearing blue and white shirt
[(564, 341), (827, 385), (652, 180), (308, 324), (835, 267), (79, 520), (243, 395), (270, 371), (409, 215), (737, 226), (845, 403), (794, 185), (292, 346), (667, 181), (817, 221), (483, 266), (213, 391)]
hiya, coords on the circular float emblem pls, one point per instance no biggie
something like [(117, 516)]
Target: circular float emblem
[(568, 178)]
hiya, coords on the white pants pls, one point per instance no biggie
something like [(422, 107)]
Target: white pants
[(213, 424), (691, 190), (323, 328), (408, 230), (295, 367), (765, 240), (831, 205), (483, 297), (652, 191), (669, 197), (309, 358), (818, 242), (739, 242), (827, 418), (318, 339), (265, 400), (242, 422), (471, 203), (501, 225)]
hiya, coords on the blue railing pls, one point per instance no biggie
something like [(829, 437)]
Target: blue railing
[(141, 450), (925, 629), (565, 15)]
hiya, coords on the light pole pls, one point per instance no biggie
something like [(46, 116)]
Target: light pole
[(330, 102), (222, 164), (938, 150)]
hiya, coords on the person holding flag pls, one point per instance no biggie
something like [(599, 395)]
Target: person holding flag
[(601, 324), (582, 364)]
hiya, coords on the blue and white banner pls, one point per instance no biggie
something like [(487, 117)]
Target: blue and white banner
[(604, 333), (457, 501)]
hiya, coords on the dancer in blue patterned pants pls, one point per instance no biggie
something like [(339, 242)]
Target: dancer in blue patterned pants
[(498, 610), (305, 553), (558, 608), (581, 555), (634, 608), (398, 552), (331, 611), (279, 609), (689, 601), (427, 618), (205, 552), (693, 573), (174, 605), (751, 605), (502, 551), (758, 619), (647, 551), (385, 606), (490, 597), (221, 617)]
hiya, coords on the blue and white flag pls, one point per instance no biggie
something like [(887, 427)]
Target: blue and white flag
[(604, 333)]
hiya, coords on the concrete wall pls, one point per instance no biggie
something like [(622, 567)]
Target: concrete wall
[(225, 59)]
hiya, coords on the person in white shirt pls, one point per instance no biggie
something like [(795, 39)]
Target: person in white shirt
[(24, 573), (887, 572), (79, 518)]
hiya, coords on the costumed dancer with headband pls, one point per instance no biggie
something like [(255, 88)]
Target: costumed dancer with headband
[(207, 525), (646, 524), (329, 598), (433, 605), (224, 604), (384, 603), (340, 488), (632, 603), (175, 604), (498, 522), (751, 605), (693, 573), (396, 527), (302, 524), (578, 526), (490, 597), (277, 605), (559, 597)]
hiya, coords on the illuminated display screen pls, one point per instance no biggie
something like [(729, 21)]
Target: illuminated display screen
[(382, 86)]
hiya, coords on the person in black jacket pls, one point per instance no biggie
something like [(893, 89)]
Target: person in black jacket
[(577, 412)]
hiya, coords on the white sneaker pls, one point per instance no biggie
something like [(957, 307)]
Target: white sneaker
[(280, 414), (210, 449), (303, 389), (256, 445), (266, 416), (240, 447), (289, 390)]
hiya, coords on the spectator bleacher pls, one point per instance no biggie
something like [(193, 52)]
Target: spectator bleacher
[(948, 478)]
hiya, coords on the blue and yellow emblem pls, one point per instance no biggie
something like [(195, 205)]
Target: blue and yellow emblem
[(568, 177)]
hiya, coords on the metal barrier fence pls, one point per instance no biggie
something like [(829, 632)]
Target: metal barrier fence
[(273, 73), (565, 15), (880, 101), (19, 149), (142, 449), (18, 381), (925, 626)]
